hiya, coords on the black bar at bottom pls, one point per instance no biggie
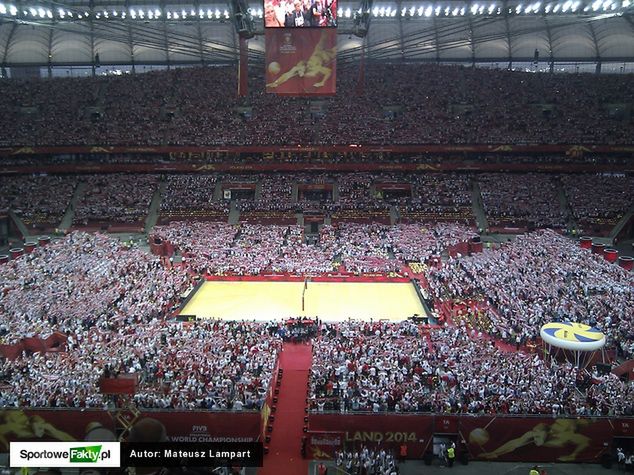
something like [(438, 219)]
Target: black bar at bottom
[(180, 454)]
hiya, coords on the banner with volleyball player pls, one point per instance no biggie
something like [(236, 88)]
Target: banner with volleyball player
[(536, 439), (301, 61)]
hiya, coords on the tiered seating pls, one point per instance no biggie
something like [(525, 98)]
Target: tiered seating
[(438, 197), (111, 200), (191, 198)]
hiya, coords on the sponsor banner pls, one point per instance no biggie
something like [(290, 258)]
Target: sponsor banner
[(386, 166), (536, 439), (324, 445), (446, 424), (54, 425), (623, 427), (391, 431), (64, 454), (301, 61), (192, 152), (209, 426)]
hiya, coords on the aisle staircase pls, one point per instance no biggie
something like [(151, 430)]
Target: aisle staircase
[(155, 207), (22, 229), (564, 205), (67, 220), (234, 212), (290, 413), (621, 224), (478, 207)]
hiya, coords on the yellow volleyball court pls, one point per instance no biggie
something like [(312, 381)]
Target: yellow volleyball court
[(330, 301)]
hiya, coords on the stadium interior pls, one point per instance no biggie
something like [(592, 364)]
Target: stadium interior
[(398, 243)]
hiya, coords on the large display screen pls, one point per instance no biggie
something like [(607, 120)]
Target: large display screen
[(300, 13), (301, 62)]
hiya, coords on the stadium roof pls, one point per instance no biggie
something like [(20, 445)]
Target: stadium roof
[(39, 32)]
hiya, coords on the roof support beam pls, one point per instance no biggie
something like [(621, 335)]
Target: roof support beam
[(509, 46), (50, 53), (7, 45), (593, 33), (166, 44), (400, 28), (199, 32), (130, 36), (472, 42), (92, 39), (436, 38), (551, 54)]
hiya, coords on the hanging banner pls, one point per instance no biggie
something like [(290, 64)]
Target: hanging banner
[(352, 431), (26, 425), (190, 426), (536, 439), (301, 61)]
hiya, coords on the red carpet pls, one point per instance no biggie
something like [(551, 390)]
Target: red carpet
[(284, 457)]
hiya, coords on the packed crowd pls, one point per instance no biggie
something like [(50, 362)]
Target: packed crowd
[(276, 195), (481, 106), (186, 192), (119, 198), (599, 199), (522, 199), (509, 199), (37, 199), (539, 278), (70, 284), (252, 248), (379, 367), (110, 302), (440, 195), (355, 193)]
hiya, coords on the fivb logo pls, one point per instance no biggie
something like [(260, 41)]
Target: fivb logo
[(64, 454)]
